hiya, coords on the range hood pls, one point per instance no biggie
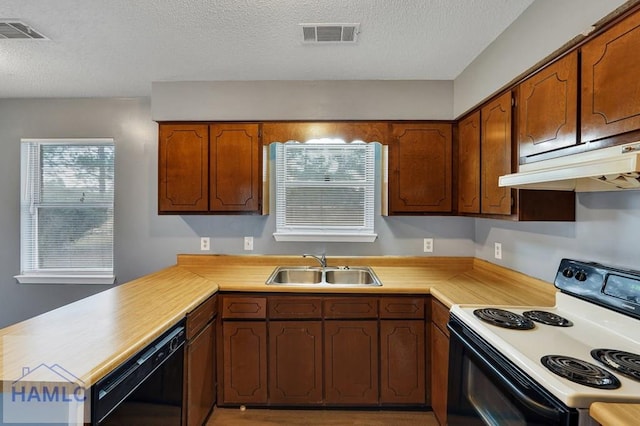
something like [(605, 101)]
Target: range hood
[(607, 169)]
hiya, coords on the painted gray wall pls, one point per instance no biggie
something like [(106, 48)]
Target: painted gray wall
[(145, 241), (606, 230), (303, 100), (541, 29)]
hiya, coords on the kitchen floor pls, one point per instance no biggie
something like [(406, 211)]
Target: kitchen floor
[(264, 417)]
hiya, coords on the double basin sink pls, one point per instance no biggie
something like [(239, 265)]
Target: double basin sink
[(345, 276)]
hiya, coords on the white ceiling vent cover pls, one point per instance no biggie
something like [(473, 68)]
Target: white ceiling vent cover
[(330, 33), (15, 30)]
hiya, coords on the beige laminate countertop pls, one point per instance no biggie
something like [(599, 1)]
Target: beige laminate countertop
[(611, 414), (92, 336), (452, 280)]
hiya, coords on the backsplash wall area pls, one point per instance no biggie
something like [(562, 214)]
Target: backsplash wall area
[(606, 231)]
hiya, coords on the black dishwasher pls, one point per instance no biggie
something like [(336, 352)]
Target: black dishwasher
[(145, 390)]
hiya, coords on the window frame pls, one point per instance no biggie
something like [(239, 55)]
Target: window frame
[(69, 275), (327, 233)]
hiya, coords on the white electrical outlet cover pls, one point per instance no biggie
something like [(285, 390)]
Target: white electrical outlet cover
[(497, 251), (248, 243)]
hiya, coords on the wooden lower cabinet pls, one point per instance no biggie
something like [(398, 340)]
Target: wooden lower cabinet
[(402, 362), (439, 361), (351, 362), (321, 350), (200, 376), (245, 362), (295, 362)]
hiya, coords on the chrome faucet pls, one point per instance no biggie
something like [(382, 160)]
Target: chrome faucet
[(322, 259)]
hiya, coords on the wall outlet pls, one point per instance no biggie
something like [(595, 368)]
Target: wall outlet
[(205, 244), (497, 250), (428, 245), (248, 243)]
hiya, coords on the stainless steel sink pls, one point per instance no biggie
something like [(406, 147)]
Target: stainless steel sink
[(292, 275), (357, 276), (345, 276)]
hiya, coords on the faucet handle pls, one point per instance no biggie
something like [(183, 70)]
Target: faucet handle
[(322, 258)]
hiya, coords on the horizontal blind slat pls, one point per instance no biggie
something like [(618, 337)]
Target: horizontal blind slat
[(67, 207), (325, 186)]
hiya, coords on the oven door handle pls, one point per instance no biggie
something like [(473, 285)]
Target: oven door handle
[(526, 400)]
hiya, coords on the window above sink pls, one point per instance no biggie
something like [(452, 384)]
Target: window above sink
[(325, 190)]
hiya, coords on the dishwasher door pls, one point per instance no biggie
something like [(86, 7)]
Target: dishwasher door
[(146, 390)]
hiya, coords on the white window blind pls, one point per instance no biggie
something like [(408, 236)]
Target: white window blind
[(67, 211), (325, 192)]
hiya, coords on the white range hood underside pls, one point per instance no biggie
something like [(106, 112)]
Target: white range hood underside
[(607, 169)]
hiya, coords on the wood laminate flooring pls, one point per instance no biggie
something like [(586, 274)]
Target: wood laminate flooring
[(273, 417)]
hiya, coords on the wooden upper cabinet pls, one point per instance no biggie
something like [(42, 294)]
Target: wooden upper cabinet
[(420, 168), (548, 108), (303, 131), (469, 164), (235, 157), (183, 168), (496, 154), (610, 83)]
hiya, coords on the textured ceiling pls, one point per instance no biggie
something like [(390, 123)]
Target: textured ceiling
[(108, 48)]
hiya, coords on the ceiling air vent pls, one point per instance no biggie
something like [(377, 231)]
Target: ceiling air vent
[(330, 33), (13, 29)]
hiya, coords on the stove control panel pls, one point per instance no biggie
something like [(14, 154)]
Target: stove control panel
[(612, 287)]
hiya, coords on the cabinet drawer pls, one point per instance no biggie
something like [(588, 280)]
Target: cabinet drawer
[(293, 307), (350, 307), (200, 316), (402, 307), (244, 307), (440, 316)]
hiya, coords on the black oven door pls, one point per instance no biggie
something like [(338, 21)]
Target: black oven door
[(487, 389)]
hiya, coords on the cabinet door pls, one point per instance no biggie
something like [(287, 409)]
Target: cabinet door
[(351, 362), (295, 362), (439, 373), (244, 362), (200, 376), (402, 362), (235, 178), (548, 108), (496, 155), (420, 168), (610, 83), (183, 168), (439, 360), (469, 164)]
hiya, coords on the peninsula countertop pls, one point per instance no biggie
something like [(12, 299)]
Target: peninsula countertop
[(92, 336)]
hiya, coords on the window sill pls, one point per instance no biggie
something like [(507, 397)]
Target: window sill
[(327, 238), (66, 279)]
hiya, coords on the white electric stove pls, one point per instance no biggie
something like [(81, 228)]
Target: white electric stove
[(523, 365)]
